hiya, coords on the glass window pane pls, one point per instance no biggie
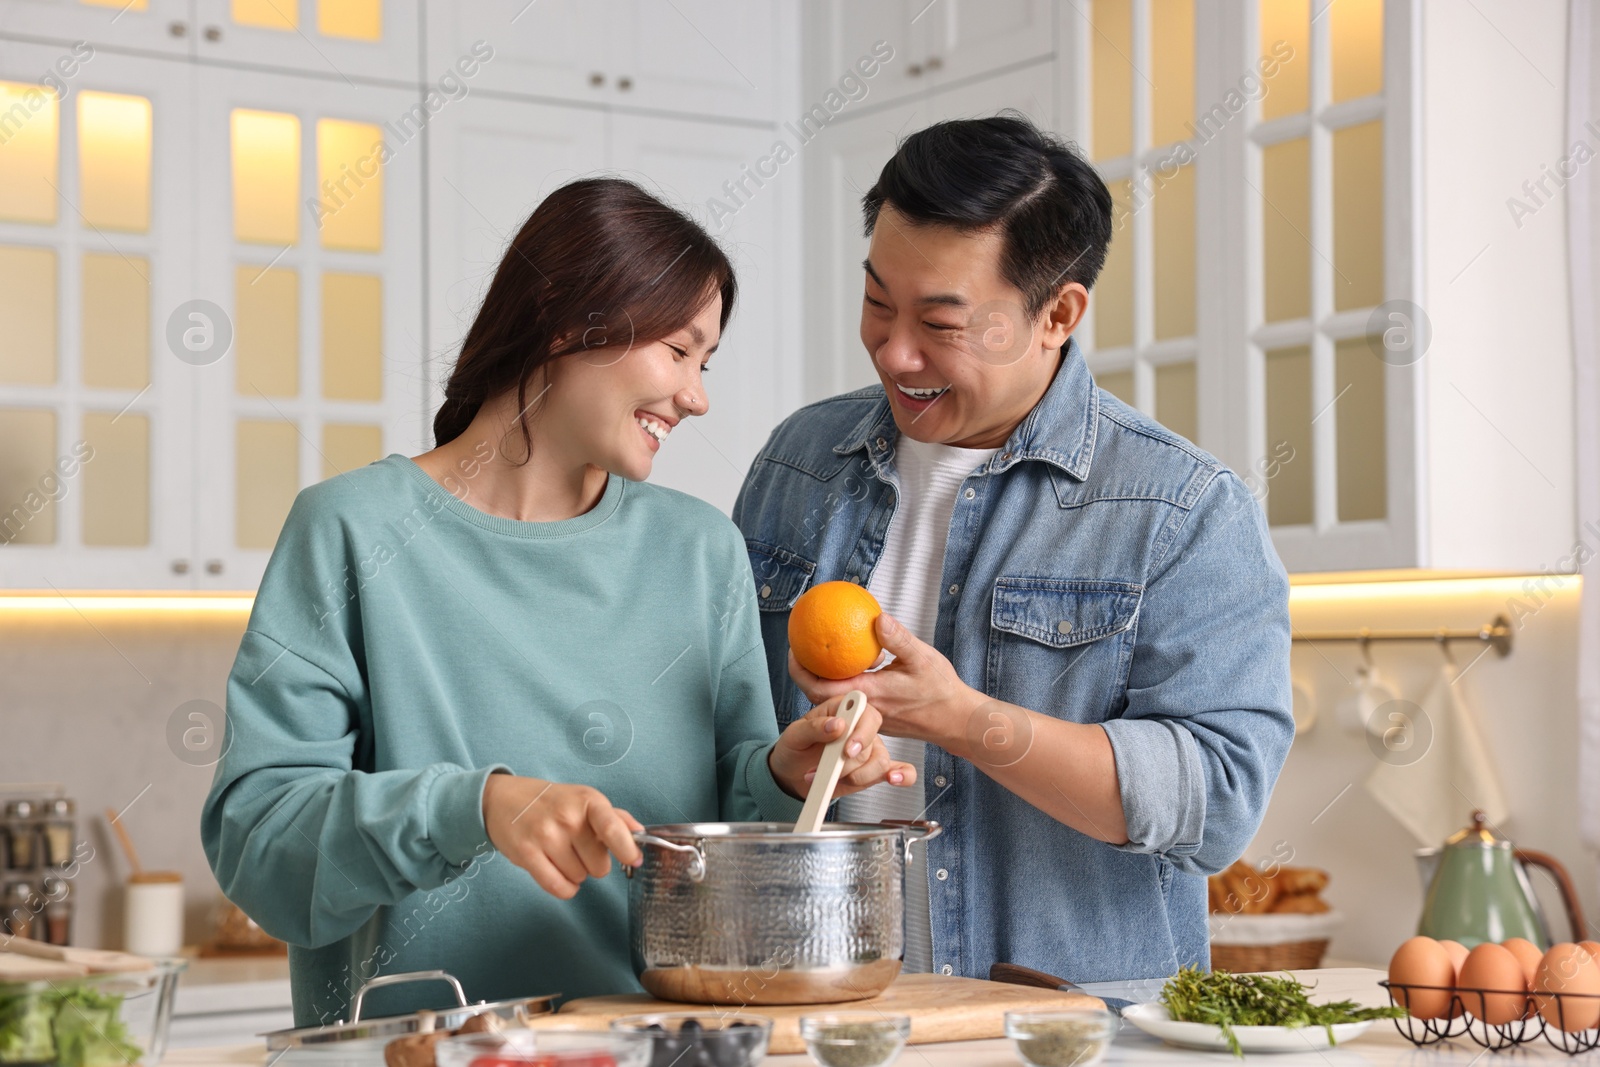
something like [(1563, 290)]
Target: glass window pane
[(350, 176), (28, 309), (266, 479), (1362, 452), (1356, 31), (116, 321), (347, 447), (267, 331), (1172, 204), (114, 133), (266, 177), (29, 479), (267, 14), (1111, 71), (1113, 290), (1118, 383), (30, 148), (116, 485), (1289, 494), (358, 20), (1172, 70), (1285, 28), (1358, 216), (1177, 402), (1286, 230), (352, 336)]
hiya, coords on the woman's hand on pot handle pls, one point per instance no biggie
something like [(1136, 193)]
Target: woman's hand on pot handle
[(558, 833), (794, 757)]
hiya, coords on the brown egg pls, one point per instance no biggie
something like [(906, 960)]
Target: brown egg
[(1491, 984), (1568, 969), (1458, 956), (1592, 948), (1528, 955), (1422, 961)]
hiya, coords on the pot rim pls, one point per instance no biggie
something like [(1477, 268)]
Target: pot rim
[(766, 832)]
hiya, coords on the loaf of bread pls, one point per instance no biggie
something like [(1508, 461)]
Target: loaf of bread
[(1243, 890)]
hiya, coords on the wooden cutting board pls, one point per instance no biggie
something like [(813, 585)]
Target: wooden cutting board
[(941, 1009)]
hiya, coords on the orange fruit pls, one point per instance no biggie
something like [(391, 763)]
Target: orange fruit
[(831, 630)]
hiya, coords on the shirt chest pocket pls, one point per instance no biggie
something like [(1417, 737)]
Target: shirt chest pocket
[(780, 575), (1061, 646)]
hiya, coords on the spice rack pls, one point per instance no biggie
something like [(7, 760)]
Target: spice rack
[(38, 842), (1494, 1037)]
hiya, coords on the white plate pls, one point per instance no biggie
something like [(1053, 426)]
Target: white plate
[(1154, 1020)]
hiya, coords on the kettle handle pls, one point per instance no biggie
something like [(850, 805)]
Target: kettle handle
[(1563, 880)]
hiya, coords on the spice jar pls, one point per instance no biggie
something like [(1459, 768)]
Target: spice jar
[(20, 909), (57, 909), (22, 829), (58, 825)]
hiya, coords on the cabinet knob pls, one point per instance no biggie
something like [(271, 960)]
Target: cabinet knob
[(597, 79), (213, 33), (624, 83), (180, 566), (213, 566), (934, 63), (915, 70), (178, 29)]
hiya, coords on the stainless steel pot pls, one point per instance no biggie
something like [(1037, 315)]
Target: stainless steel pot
[(753, 913)]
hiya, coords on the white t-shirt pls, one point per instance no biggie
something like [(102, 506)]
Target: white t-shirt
[(906, 582)]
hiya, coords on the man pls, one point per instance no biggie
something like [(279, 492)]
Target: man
[(1088, 622)]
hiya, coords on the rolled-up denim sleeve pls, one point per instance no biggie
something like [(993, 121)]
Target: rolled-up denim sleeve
[(1207, 725)]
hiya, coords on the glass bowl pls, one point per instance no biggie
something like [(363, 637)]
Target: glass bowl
[(1063, 1037), (508, 1048), (855, 1038), (120, 1018), (701, 1039)]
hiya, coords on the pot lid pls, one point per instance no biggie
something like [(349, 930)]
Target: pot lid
[(1480, 835), (425, 1021)]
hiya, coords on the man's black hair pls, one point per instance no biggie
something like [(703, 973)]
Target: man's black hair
[(1052, 209)]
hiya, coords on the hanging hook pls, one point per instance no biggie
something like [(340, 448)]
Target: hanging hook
[(1444, 647), (1365, 643)]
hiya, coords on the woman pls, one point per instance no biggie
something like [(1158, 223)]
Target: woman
[(493, 656)]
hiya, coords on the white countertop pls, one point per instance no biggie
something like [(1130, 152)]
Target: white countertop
[(1382, 1045)]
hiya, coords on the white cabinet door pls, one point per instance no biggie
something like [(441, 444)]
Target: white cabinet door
[(490, 163), (840, 33), (343, 40), (841, 166), (308, 204), (753, 378), (96, 410), (969, 38), (700, 57), (165, 26), (559, 50)]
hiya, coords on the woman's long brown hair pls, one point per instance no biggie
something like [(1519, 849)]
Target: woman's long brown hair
[(599, 264)]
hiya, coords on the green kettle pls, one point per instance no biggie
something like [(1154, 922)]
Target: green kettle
[(1476, 889)]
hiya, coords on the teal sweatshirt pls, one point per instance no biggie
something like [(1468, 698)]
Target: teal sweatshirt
[(403, 646)]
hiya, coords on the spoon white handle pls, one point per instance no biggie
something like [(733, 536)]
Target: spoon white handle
[(830, 765)]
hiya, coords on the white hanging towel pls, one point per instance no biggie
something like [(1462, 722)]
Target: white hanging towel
[(1434, 796)]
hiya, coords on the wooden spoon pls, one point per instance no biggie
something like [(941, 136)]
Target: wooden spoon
[(831, 765)]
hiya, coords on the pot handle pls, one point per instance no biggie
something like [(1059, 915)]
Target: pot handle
[(697, 866), (916, 831), (401, 977)]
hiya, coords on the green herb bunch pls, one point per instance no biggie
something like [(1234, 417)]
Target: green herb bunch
[(1226, 1000)]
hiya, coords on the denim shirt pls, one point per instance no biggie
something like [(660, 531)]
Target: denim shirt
[(1098, 569)]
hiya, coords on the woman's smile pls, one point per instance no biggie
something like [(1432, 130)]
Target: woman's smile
[(654, 427)]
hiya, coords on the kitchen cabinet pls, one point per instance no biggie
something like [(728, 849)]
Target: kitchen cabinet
[(342, 40), (191, 351), (936, 45), (715, 58), (842, 163), (158, 26), (96, 414), (310, 199), (476, 210)]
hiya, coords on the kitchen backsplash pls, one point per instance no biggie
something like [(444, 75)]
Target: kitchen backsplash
[(97, 703)]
